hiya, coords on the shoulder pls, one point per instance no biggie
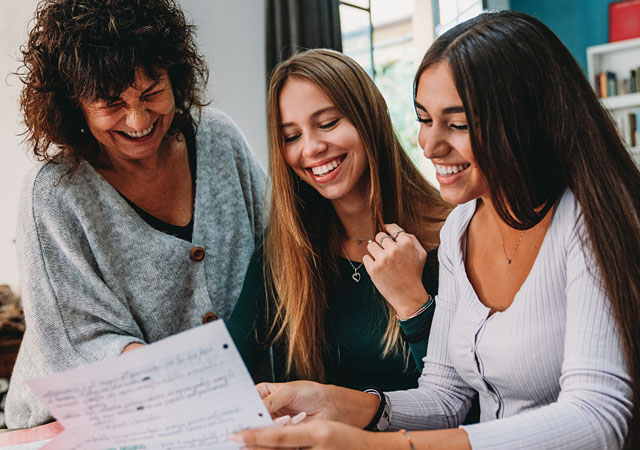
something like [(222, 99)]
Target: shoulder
[(568, 212), (223, 152), (452, 232), (52, 184), (569, 235), (51, 195), (456, 224), (214, 124)]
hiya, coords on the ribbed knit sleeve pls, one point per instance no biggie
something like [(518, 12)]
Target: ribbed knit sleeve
[(442, 398)]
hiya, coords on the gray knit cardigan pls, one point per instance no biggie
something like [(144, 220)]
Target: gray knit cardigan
[(96, 277)]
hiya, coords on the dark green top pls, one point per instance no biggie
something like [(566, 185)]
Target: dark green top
[(356, 319)]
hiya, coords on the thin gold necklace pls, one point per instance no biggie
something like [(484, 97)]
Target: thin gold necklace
[(513, 253)]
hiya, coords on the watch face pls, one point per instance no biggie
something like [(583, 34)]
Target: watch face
[(385, 418)]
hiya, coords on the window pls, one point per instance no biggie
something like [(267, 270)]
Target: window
[(448, 13), (357, 32), (389, 39)]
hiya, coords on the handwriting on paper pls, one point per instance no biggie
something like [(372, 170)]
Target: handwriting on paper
[(189, 391)]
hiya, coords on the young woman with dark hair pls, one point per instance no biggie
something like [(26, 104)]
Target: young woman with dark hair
[(539, 298)]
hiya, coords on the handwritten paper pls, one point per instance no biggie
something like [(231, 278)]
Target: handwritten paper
[(189, 391)]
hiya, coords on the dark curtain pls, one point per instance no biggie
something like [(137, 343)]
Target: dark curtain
[(296, 25)]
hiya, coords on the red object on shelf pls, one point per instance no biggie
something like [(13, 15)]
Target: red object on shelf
[(624, 20)]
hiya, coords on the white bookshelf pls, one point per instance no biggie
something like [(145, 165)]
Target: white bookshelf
[(628, 101), (619, 58)]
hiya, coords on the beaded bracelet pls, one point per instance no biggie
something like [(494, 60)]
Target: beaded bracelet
[(405, 433)]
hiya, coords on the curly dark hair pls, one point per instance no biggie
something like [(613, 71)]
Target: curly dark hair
[(88, 50)]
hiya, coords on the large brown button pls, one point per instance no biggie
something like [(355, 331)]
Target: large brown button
[(196, 254), (209, 317)]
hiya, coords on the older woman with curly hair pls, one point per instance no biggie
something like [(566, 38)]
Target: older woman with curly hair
[(141, 221)]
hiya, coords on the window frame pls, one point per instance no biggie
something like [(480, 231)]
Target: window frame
[(439, 28), (368, 11)]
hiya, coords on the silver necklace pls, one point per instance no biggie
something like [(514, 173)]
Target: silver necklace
[(359, 240), (356, 275)]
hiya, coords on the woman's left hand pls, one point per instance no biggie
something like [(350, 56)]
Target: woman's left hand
[(316, 435), (395, 263)]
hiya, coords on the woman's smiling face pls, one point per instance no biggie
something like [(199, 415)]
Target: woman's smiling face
[(321, 145), (444, 136), (133, 125)]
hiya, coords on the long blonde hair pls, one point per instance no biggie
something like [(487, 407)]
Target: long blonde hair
[(302, 242)]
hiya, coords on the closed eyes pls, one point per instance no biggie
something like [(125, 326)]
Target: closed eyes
[(329, 124), (324, 126), (459, 127)]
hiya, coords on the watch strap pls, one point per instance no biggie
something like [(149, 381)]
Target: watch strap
[(382, 417)]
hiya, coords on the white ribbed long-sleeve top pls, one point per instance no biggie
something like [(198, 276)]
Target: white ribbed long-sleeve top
[(550, 368)]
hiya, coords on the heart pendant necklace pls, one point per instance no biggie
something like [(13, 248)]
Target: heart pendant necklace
[(356, 275)]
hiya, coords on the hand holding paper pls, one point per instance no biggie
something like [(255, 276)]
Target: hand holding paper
[(189, 391)]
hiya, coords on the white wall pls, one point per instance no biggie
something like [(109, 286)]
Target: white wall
[(230, 34), (13, 161)]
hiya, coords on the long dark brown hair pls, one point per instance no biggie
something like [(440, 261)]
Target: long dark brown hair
[(543, 130), (302, 241), (88, 50)]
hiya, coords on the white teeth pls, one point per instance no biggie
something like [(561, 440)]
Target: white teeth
[(448, 170), (325, 168), (139, 134)]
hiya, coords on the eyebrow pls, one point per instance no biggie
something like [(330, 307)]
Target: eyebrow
[(313, 115), (447, 110), (149, 89), (146, 91)]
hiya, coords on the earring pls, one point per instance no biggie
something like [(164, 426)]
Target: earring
[(82, 130)]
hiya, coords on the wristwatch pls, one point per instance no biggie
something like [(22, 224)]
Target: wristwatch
[(382, 418)]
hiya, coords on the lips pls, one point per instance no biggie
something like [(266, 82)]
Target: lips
[(326, 168)]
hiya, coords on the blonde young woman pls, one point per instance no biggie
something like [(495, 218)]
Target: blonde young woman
[(338, 175)]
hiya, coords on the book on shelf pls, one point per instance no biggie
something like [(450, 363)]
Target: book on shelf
[(607, 84), (612, 84), (628, 125), (637, 128), (631, 137)]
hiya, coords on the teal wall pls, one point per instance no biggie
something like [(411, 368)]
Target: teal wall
[(578, 23)]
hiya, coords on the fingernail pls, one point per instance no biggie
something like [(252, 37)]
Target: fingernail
[(236, 438), (299, 418), (283, 420)]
